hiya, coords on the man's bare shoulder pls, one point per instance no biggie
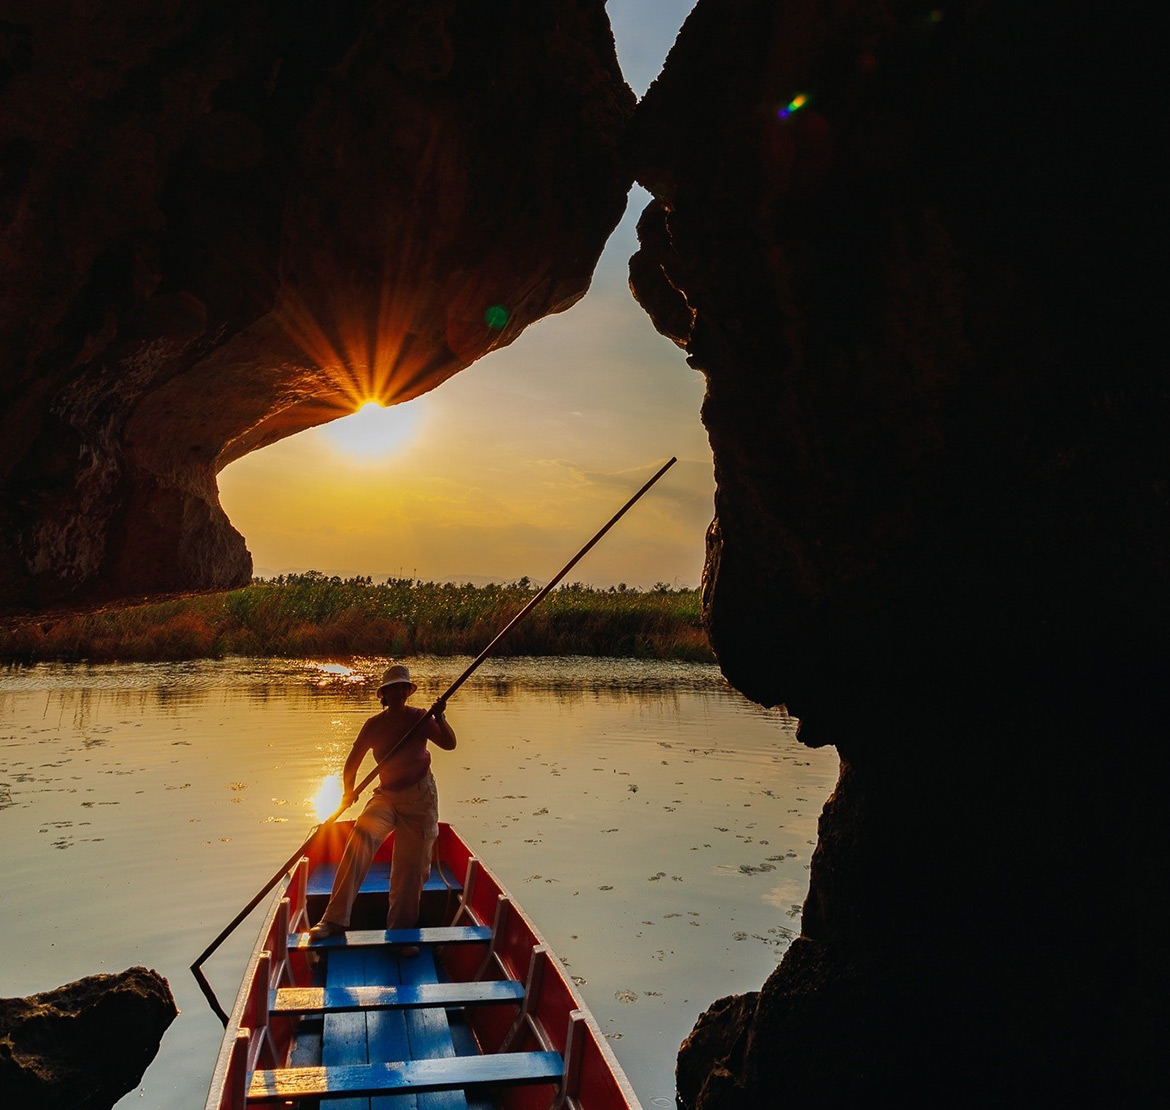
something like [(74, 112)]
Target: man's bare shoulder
[(374, 724)]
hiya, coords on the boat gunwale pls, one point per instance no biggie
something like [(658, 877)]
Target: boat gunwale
[(218, 1096), (602, 1042)]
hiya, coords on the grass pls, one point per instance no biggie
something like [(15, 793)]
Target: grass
[(312, 615)]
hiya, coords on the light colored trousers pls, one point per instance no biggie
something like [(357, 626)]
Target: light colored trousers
[(414, 814)]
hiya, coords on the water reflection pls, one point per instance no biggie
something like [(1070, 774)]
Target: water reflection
[(654, 824), (328, 797), (170, 687)]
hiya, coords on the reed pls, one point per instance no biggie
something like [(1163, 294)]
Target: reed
[(313, 615)]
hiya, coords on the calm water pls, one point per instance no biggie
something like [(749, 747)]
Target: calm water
[(656, 826)]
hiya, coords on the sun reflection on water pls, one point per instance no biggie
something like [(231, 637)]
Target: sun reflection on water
[(328, 797)]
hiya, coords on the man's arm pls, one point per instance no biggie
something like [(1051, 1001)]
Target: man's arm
[(441, 732), (353, 761)]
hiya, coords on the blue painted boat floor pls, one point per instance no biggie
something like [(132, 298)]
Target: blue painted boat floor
[(389, 1035), (348, 1050), (377, 880)]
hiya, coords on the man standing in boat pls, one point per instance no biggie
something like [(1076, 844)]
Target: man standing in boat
[(406, 801)]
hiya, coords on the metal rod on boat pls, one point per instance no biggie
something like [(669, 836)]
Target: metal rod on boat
[(196, 967)]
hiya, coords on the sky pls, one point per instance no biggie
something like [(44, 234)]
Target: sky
[(509, 467)]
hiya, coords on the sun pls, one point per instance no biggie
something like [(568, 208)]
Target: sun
[(374, 433)]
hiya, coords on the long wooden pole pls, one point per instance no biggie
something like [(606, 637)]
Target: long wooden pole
[(441, 701)]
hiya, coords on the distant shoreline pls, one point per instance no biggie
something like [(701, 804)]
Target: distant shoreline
[(311, 614)]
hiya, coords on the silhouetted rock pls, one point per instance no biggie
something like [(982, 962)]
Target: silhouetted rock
[(936, 397), (715, 1043), (83, 1045), (938, 411), (224, 223)]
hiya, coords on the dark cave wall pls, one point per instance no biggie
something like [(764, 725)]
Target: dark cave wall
[(937, 414), (221, 224), (934, 398)]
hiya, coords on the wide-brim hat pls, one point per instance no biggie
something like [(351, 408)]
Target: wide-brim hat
[(396, 675)]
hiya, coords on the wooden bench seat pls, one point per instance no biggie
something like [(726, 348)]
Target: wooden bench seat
[(340, 999), (370, 938), (372, 1037), (405, 1076), (377, 880)]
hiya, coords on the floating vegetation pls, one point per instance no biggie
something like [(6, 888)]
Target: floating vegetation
[(749, 869)]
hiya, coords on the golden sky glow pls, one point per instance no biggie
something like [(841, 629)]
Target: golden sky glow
[(509, 467)]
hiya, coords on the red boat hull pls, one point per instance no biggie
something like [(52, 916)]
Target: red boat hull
[(261, 1046)]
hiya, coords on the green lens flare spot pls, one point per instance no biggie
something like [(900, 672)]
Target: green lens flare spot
[(496, 316), (794, 105)]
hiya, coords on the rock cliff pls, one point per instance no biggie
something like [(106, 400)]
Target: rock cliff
[(224, 223), (905, 244), (910, 247)]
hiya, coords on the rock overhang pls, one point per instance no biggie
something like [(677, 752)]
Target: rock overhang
[(228, 225), (941, 513)]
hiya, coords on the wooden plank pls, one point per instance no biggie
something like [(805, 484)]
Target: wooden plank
[(338, 999), (466, 1045), (371, 938), (236, 1089), (377, 880), (386, 1029), (574, 1048), (344, 1037), (429, 1032), (508, 1068)]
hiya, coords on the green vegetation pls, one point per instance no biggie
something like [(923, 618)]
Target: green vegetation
[(314, 615)]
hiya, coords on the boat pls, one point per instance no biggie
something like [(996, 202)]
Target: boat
[(483, 1016)]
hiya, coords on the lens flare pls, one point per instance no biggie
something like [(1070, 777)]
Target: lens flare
[(794, 105), (328, 797)]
